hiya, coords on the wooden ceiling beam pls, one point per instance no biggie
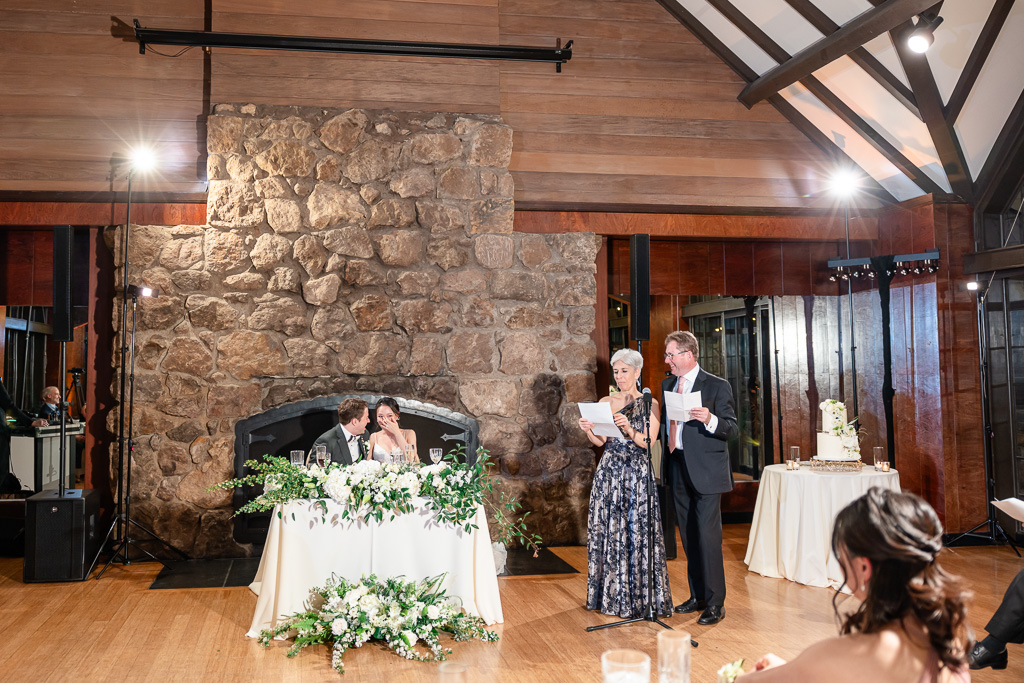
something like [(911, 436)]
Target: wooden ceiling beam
[(813, 133), (866, 26), (1001, 176), (861, 57), (947, 146), (982, 48)]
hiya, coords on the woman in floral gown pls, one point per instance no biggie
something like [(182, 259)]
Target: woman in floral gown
[(618, 527)]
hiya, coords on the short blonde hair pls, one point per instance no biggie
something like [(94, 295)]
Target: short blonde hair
[(686, 341), (630, 357)]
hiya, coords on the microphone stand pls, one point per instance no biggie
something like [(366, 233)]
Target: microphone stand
[(650, 614)]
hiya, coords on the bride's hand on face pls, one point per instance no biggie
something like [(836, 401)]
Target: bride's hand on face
[(390, 425)]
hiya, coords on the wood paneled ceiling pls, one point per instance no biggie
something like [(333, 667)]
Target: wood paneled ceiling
[(949, 121)]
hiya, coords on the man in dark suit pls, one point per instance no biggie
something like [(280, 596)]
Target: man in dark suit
[(49, 409), (345, 443), (1005, 626), (697, 472)]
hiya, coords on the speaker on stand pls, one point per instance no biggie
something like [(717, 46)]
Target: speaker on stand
[(640, 288), (62, 525)]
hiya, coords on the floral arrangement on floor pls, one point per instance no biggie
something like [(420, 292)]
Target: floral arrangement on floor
[(370, 490), (398, 612)]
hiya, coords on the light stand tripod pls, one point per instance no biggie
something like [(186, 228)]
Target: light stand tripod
[(991, 522), (122, 521)]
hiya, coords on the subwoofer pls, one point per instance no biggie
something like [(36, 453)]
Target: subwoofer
[(640, 287), (62, 535)]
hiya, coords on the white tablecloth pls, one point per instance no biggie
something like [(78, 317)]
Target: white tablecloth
[(791, 533), (302, 553)]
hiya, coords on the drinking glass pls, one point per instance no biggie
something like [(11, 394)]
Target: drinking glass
[(794, 456), (673, 657), (435, 455), (625, 666), (452, 672), (321, 455), (396, 454), (296, 457), (879, 456), (410, 453)]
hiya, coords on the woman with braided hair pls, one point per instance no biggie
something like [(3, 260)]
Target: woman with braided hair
[(911, 624)]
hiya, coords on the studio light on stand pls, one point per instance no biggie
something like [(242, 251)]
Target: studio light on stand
[(142, 160)]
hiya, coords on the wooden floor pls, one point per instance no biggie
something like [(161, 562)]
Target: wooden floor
[(116, 629)]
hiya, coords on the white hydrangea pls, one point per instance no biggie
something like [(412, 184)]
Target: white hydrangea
[(410, 482), (337, 486), (339, 626)]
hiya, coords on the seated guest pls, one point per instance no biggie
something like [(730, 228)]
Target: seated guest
[(49, 409), (345, 443), (911, 624), (1005, 626), (391, 442)]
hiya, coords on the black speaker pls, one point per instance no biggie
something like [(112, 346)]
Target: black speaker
[(63, 243), (640, 287), (62, 535)]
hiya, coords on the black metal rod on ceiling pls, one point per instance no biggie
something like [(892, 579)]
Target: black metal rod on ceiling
[(153, 36)]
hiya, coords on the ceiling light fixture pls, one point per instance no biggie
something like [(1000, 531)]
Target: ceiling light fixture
[(923, 35)]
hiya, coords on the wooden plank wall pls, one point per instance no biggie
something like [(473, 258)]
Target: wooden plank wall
[(76, 96), (26, 267), (643, 115)]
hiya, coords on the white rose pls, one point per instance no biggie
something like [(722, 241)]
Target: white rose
[(339, 626), (433, 612), (409, 637)]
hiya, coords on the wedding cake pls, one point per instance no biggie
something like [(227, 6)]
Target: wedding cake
[(837, 440)]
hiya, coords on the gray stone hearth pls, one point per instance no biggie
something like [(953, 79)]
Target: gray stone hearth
[(359, 251)]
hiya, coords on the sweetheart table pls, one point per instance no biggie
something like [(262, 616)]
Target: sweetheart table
[(303, 551)]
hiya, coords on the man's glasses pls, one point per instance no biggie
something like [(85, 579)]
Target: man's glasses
[(670, 356)]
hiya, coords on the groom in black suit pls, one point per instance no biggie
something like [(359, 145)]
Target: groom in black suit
[(345, 443), (697, 471)]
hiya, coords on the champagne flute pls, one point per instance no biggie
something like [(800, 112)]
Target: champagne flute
[(435, 455), (410, 453)]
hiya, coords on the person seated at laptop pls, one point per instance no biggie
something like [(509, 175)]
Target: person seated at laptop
[(391, 443), (346, 443)]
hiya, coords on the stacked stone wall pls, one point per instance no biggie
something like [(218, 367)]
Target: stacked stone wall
[(358, 251)]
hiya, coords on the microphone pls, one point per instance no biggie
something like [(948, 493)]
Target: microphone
[(647, 398)]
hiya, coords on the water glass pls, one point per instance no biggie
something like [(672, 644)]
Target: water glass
[(878, 453), (794, 455), (452, 672), (396, 455), (435, 455), (625, 666), (297, 458), (321, 455), (673, 657)]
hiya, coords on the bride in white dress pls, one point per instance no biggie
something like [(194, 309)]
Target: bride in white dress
[(392, 443)]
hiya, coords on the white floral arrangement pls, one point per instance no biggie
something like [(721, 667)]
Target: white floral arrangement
[(368, 489), (730, 672), (400, 613)]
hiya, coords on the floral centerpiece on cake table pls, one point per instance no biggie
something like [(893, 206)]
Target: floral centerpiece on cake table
[(372, 490), (400, 613)]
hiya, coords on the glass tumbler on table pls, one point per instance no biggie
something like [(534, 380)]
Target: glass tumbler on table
[(673, 657), (452, 672), (625, 666), (435, 455), (793, 462), (878, 453), (297, 458)]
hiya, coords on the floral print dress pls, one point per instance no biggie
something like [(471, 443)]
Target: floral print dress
[(618, 531)]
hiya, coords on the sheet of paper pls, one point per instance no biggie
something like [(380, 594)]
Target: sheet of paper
[(1011, 506), (679, 406), (601, 415)]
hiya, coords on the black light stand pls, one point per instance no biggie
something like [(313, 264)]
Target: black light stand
[(994, 528), (122, 519), (650, 614)]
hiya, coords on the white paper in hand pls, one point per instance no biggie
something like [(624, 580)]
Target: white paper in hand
[(601, 415), (1011, 506), (678, 406)]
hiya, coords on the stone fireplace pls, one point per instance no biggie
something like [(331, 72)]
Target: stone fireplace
[(364, 252)]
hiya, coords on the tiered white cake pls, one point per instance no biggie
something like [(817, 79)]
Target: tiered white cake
[(837, 440)]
